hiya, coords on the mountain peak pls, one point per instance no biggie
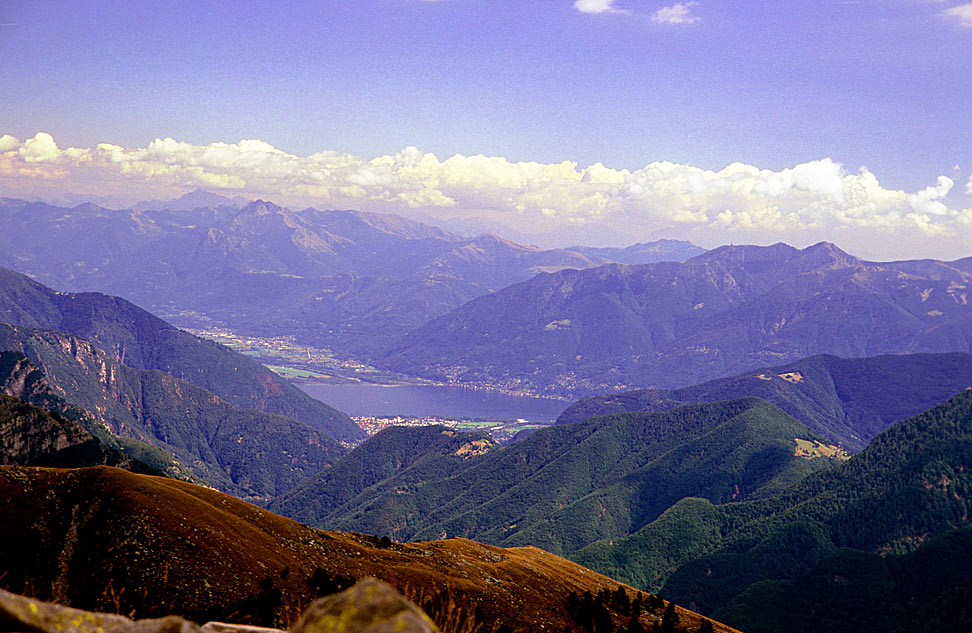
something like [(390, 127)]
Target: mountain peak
[(201, 198), (191, 201), (750, 253), (822, 255)]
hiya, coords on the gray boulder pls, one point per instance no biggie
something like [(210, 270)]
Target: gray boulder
[(370, 606), (18, 613)]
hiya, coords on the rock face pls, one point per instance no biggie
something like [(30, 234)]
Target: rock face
[(249, 453), (18, 613), (370, 606), (122, 333), (30, 436)]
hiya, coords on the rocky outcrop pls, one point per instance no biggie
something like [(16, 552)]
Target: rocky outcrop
[(31, 436), (370, 606), (19, 613)]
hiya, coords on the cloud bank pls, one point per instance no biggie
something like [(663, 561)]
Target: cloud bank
[(549, 203)]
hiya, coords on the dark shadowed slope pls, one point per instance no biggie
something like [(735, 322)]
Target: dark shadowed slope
[(31, 436), (40, 428), (242, 451), (847, 400)]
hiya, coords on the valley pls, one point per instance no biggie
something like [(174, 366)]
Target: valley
[(298, 362), (453, 316), (759, 446), (502, 431)]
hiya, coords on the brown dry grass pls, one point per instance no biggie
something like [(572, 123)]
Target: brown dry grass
[(148, 546)]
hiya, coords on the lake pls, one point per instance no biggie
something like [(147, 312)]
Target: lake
[(364, 399)]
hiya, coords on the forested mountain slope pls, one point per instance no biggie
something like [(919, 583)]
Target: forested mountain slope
[(131, 336), (668, 325), (563, 487), (853, 535), (847, 400)]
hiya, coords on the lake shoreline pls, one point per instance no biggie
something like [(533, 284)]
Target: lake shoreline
[(445, 401)]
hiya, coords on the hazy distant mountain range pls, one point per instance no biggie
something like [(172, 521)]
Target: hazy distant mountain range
[(668, 325), (413, 298), (351, 281), (190, 201)]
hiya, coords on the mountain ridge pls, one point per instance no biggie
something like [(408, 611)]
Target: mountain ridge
[(138, 339), (840, 398), (349, 281), (909, 487), (246, 452), (187, 550), (565, 486), (667, 325)]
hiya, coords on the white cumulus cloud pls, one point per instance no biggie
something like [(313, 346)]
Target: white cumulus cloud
[(40, 148), (596, 6), (680, 13), (8, 142), (808, 202), (962, 12), (928, 201)]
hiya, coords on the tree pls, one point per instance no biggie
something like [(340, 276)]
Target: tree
[(634, 626), (669, 621), (620, 601)]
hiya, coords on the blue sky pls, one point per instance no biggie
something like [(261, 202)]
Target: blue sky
[(881, 84)]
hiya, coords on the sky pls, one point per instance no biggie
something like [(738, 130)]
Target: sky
[(548, 121)]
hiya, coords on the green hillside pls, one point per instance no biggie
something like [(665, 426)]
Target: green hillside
[(850, 535), (408, 455), (563, 487), (844, 399)]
